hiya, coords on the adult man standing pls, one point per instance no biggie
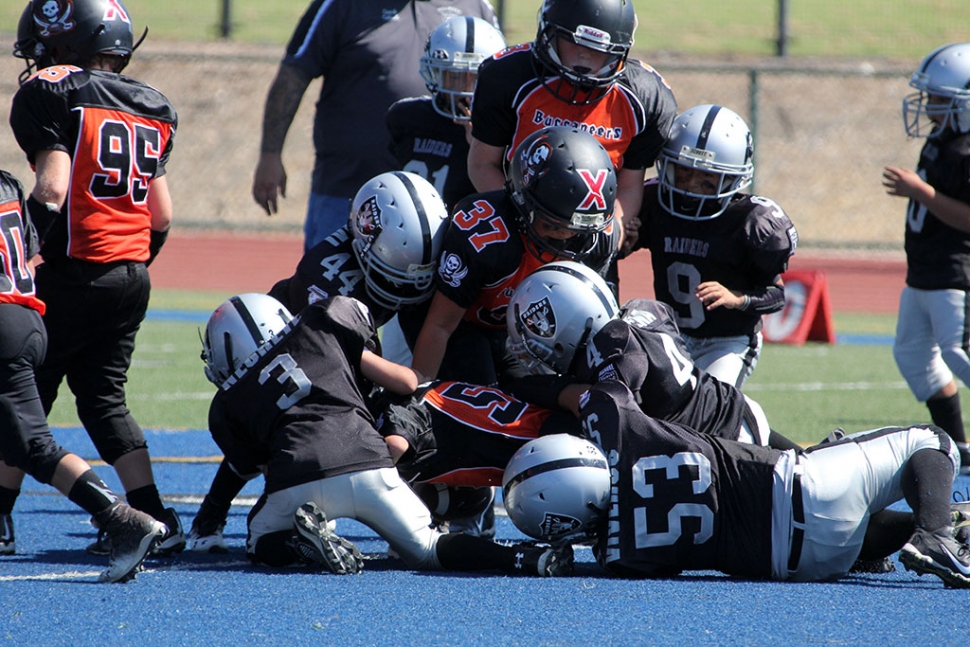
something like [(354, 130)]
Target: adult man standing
[(368, 54)]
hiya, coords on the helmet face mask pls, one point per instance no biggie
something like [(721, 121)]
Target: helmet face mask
[(398, 222), (605, 26), (714, 140), (553, 314), (450, 63), (562, 180), (942, 101), (557, 488), (238, 328)]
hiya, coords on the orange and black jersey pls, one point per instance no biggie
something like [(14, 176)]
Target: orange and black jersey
[(680, 501), (484, 256), (643, 349), (118, 132), (298, 405), (463, 434), (632, 121), (432, 146), (18, 244)]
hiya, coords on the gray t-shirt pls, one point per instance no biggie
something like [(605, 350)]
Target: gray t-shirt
[(368, 53)]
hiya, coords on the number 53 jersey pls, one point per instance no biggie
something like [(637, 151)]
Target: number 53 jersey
[(118, 132)]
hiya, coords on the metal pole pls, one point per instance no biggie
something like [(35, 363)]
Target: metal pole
[(500, 14), (753, 123), (225, 28), (782, 27)]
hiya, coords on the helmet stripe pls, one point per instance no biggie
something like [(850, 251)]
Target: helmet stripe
[(422, 216), (706, 128), (549, 466), (470, 34), (604, 299), (247, 319)]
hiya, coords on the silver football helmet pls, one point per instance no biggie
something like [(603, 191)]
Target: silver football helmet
[(557, 487), (713, 139), (554, 312), (450, 63), (237, 329), (398, 223), (942, 100)]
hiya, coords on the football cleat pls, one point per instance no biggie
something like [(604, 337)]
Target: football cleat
[(960, 518), (132, 536), (544, 560), (174, 540), (7, 544), (874, 566), (938, 554), (316, 545)]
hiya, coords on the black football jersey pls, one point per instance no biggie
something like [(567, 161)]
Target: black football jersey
[(328, 269), (632, 121), (18, 244), (484, 256), (297, 406), (119, 134), (643, 350), (745, 248), (463, 434), (430, 145), (938, 255), (679, 500)]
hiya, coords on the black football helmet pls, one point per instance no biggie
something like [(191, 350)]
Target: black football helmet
[(603, 25), (564, 178), (70, 32)]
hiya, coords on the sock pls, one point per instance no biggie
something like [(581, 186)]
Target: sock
[(887, 532), (947, 415), (91, 494), (8, 498), (146, 499), (461, 552), (926, 480), (275, 549)]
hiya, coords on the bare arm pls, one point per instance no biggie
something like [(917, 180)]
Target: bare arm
[(908, 184), (485, 166), (393, 377), (52, 178), (282, 102), (629, 196), (443, 317), (160, 204)]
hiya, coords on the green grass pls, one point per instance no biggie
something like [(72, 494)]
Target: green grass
[(861, 28), (806, 390)]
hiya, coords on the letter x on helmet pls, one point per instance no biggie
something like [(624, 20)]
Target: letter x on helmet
[(564, 178), (602, 25)]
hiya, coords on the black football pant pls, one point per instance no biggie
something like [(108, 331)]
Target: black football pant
[(94, 311)]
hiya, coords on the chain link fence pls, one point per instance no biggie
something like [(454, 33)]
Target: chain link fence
[(824, 127)]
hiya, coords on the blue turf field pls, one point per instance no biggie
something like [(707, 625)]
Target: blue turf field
[(48, 594)]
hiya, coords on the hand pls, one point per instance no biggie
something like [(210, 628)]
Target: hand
[(268, 181), (906, 184), (714, 295), (631, 230)]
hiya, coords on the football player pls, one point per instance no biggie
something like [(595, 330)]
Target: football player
[(931, 335), (290, 405), (717, 254), (429, 135), (384, 257), (99, 142), (563, 319), (576, 72), (682, 501), (25, 439), (451, 442)]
